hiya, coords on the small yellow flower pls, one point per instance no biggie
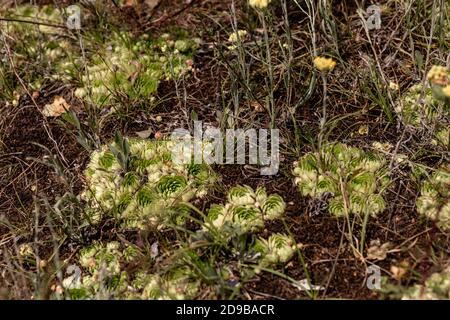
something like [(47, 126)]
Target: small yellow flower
[(363, 130), (446, 90), (236, 36), (393, 86), (26, 250), (261, 4), (386, 146), (324, 64), (438, 75)]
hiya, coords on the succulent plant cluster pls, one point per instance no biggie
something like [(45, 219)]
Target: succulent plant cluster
[(140, 185), (414, 110), (428, 107), (436, 287), (120, 66), (442, 137), (40, 47), (176, 284), (246, 209), (277, 249), (47, 13), (434, 200), (355, 179), (134, 67), (104, 272), (103, 276)]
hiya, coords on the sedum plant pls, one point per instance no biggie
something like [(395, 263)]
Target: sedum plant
[(110, 68), (205, 262), (136, 182), (246, 209), (355, 179), (414, 110), (442, 137), (434, 200)]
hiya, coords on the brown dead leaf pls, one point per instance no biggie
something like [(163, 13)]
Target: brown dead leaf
[(152, 3), (135, 74), (158, 135), (377, 251), (57, 108), (144, 134), (398, 272), (256, 106)]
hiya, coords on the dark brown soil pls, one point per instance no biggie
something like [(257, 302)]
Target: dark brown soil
[(30, 139)]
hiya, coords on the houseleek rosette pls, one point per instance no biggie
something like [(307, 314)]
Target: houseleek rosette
[(436, 287), (277, 249), (103, 276), (150, 192), (434, 200), (246, 209), (341, 170)]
